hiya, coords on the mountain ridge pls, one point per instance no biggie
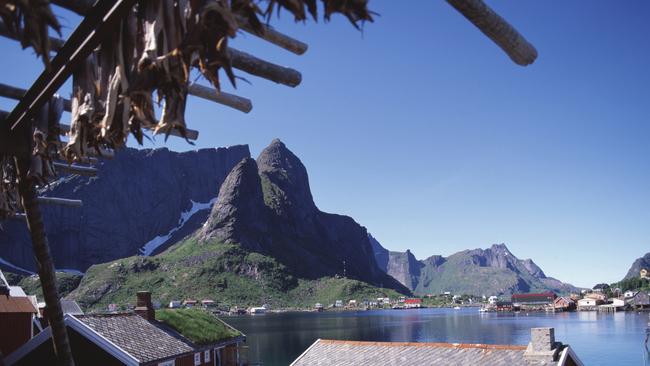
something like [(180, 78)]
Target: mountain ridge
[(491, 271)]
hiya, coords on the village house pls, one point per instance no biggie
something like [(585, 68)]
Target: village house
[(629, 293), (542, 350), (596, 296), (492, 300), (563, 303), (338, 303), (588, 304), (533, 300), (189, 303), (503, 306), (640, 300), (139, 338), (413, 303), (17, 315), (207, 303), (175, 304)]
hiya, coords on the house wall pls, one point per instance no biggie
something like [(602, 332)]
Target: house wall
[(226, 356), (15, 330)]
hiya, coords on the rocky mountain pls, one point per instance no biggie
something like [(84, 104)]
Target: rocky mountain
[(640, 263), (478, 272), (139, 203), (264, 241), (266, 206)]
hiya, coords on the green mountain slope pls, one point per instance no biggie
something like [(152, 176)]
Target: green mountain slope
[(226, 273)]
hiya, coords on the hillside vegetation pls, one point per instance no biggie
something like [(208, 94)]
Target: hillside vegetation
[(225, 273)]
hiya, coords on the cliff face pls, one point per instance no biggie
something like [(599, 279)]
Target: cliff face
[(140, 202), (278, 217), (490, 271), (640, 263)]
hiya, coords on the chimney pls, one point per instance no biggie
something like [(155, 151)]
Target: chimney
[(144, 307), (542, 349)]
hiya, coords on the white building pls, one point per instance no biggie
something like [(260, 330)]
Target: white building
[(629, 293), (492, 300), (338, 304), (174, 304)]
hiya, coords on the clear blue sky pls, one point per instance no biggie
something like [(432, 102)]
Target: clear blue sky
[(427, 134)]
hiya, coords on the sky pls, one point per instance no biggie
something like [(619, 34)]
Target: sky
[(427, 134)]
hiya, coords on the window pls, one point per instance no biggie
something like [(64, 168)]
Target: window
[(206, 356), (167, 363), (197, 359)]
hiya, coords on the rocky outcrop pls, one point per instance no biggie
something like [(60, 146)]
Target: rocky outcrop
[(140, 197), (640, 263), (273, 212), (490, 271)]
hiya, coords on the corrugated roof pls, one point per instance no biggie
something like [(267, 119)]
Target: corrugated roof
[(352, 353), (21, 304)]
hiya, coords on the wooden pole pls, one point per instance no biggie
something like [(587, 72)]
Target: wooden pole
[(44, 264), (497, 29), (233, 101), (269, 34)]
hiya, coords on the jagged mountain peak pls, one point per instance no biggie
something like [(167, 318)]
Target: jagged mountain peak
[(239, 215), (285, 182)]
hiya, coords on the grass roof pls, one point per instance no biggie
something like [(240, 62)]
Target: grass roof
[(197, 325)]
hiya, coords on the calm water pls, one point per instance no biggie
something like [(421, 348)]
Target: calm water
[(598, 339)]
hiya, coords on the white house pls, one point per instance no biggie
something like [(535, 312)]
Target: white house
[(587, 303), (338, 303), (492, 300), (174, 304), (629, 293)]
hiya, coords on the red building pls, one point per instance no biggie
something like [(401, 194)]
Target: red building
[(16, 316), (413, 303), (540, 299)]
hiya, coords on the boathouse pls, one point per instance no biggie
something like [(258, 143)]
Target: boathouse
[(17, 313), (139, 338), (542, 350), (533, 300), (641, 300)]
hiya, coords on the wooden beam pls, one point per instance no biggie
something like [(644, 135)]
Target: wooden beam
[(12, 92), (59, 201), (497, 29), (255, 66), (76, 169), (233, 101), (279, 39), (270, 35)]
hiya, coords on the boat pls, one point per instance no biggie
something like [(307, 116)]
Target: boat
[(456, 307), (259, 310), (483, 310)]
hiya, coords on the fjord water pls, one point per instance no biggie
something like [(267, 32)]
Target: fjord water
[(598, 339)]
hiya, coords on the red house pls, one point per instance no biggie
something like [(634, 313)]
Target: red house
[(16, 316), (413, 303)]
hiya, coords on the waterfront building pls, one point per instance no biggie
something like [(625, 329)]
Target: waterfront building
[(563, 303), (138, 339), (542, 350), (533, 300), (492, 300), (640, 300), (588, 304), (413, 303), (596, 296), (503, 306), (338, 303)]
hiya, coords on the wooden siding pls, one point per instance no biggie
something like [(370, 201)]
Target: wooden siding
[(15, 330)]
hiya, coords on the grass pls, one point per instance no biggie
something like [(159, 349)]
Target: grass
[(221, 272), (198, 326)]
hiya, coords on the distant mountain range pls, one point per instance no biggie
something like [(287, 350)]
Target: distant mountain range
[(640, 263), (491, 271)]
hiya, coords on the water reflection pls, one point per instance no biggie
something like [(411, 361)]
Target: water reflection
[(599, 339)]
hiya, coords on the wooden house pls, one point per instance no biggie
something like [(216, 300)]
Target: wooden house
[(139, 338), (17, 314), (563, 303), (641, 300)]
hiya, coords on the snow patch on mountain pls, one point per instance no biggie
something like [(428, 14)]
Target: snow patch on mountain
[(156, 242)]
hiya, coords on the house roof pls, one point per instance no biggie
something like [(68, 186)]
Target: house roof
[(22, 304), (146, 341), (70, 307), (332, 352), (534, 296)]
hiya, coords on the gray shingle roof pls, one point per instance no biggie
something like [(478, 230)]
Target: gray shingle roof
[(143, 340), (342, 353)]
